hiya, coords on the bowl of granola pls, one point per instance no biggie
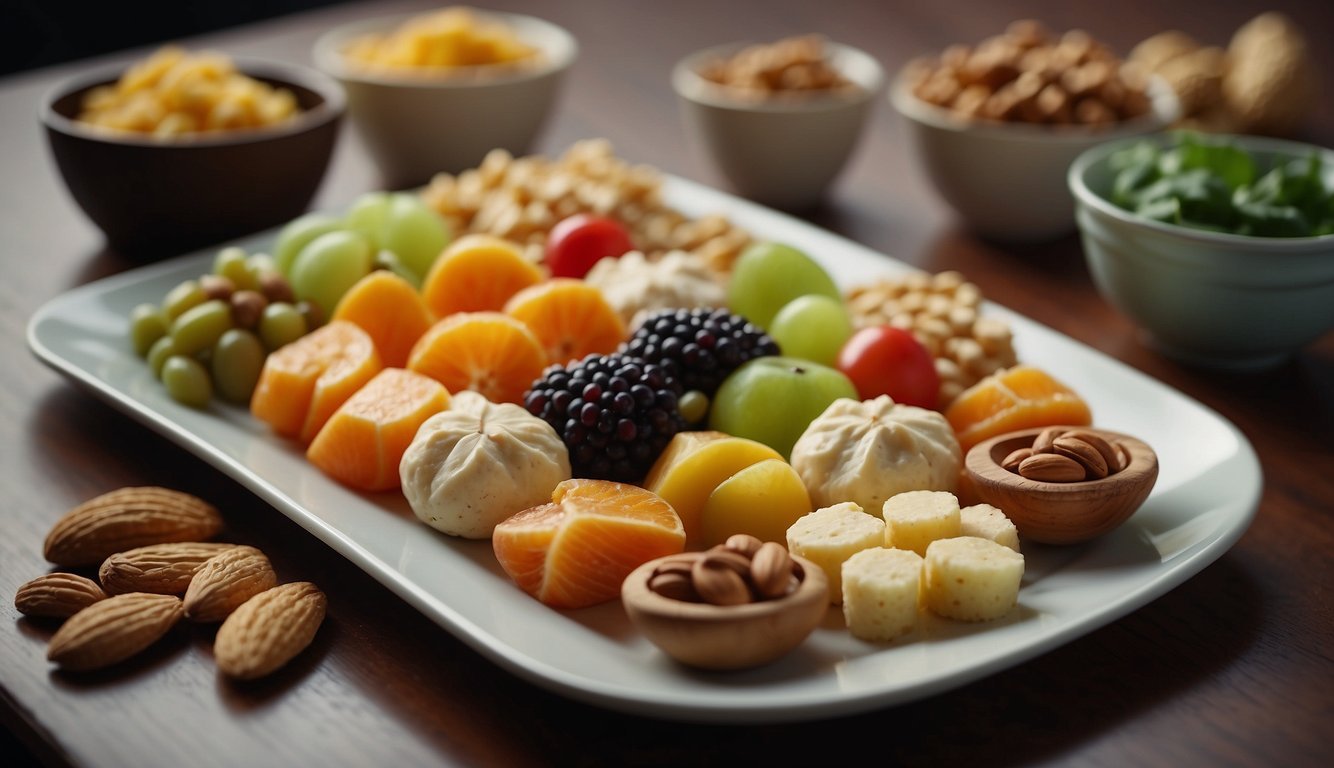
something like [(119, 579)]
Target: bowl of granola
[(995, 126), (434, 93), (779, 120)]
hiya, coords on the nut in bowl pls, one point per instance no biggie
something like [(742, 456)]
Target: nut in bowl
[(436, 92), (780, 120), (159, 179), (1206, 294), (1063, 484), (995, 126), (738, 605)]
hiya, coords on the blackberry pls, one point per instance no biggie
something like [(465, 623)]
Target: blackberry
[(616, 413), (702, 345)]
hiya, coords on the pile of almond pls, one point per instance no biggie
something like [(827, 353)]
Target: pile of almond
[(1068, 456), (741, 570), (157, 566)]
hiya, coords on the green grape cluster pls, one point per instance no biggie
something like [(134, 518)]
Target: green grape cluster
[(324, 255), (209, 336)]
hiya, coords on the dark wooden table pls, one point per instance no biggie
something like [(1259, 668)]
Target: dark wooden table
[(1233, 667)]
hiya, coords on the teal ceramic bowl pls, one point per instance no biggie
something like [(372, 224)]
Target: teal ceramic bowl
[(1206, 298)]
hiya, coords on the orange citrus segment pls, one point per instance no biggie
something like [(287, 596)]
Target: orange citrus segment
[(388, 308), (304, 382), (488, 352), (363, 442), (477, 273), (576, 551), (1015, 398), (570, 316)]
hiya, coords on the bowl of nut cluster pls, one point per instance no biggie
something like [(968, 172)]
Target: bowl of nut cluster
[(996, 125), (1063, 484), (738, 605), (779, 120), (187, 148), (435, 92)]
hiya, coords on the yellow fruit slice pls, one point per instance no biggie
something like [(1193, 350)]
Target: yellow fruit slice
[(693, 465)]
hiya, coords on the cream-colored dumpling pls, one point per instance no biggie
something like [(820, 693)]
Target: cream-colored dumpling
[(477, 463), (868, 451)]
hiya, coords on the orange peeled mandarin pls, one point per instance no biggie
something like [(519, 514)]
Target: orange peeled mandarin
[(302, 383), (570, 316), (576, 551), (390, 309), (476, 273), (362, 444), (1014, 398), (488, 352)]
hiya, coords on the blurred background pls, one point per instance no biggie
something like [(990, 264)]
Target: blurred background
[(36, 33)]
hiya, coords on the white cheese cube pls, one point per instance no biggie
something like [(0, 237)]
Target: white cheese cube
[(972, 579), (830, 535), (880, 593)]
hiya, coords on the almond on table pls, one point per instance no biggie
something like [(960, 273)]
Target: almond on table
[(164, 569), (112, 630), (225, 581), (126, 518), (269, 629), (57, 595)]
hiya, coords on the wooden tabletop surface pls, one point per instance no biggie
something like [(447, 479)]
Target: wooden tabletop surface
[(1231, 668)]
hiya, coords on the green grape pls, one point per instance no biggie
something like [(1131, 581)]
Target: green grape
[(414, 232), (768, 275), (238, 358), (328, 266), (297, 233), (748, 399), (187, 381), (147, 325), (812, 327), (199, 328), (233, 264), (281, 324), (162, 349), (369, 215), (184, 296), (694, 406), (259, 264)]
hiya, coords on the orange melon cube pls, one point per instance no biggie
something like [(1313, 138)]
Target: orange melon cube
[(363, 442)]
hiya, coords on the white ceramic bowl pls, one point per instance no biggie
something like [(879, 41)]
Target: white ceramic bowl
[(780, 152), (418, 124), (1205, 298), (1007, 180)]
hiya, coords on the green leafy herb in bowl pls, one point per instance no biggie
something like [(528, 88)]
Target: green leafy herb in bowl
[(1219, 186)]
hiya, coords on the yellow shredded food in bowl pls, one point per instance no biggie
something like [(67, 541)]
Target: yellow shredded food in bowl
[(444, 39), (175, 92)]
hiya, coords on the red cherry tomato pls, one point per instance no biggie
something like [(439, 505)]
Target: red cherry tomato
[(578, 242), (883, 360)]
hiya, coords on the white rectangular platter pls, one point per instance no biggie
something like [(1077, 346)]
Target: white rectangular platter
[(1207, 493)]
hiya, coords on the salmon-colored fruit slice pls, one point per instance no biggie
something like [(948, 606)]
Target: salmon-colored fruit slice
[(488, 352), (304, 382), (363, 442), (388, 308), (1015, 398), (576, 551), (477, 273), (570, 316)]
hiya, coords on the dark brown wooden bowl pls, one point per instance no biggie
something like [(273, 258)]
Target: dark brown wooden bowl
[(156, 197), (1061, 513)]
